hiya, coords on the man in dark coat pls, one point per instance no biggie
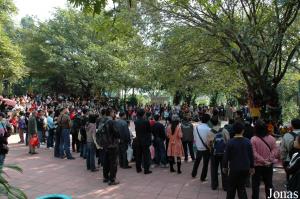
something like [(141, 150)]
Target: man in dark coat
[(143, 137)]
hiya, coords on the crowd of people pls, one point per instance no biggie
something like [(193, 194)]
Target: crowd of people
[(244, 150)]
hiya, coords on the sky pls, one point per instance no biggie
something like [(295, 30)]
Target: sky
[(42, 9)]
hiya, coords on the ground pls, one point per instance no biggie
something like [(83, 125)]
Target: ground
[(43, 174)]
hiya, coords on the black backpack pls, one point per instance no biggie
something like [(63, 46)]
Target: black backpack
[(219, 143), (103, 137)]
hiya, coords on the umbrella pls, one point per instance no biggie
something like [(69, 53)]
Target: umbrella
[(9, 102)]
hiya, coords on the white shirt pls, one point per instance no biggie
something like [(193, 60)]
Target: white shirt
[(203, 130)]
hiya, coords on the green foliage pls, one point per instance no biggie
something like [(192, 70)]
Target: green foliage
[(8, 190), (11, 59)]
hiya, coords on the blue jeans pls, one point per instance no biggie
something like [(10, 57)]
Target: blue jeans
[(160, 151), (64, 147), (90, 158), (2, 158), (83, 150), (50, 138), (40, 136)]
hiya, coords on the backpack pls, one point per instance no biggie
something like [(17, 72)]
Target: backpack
[(103, 138), (293, 150), (219, 143)]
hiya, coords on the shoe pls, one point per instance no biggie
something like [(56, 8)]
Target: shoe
[(128, 167), (105, 180), (113, 183), (34, 153), (147, 172), (71, 158), (203, 180), (138, 171), (94, 170), (194, 176)]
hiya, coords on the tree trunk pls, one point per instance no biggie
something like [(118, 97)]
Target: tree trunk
[(265, 96)]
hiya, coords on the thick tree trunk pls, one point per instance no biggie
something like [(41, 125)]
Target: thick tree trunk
[(265, 96)]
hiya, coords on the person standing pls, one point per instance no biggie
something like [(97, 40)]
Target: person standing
[(50, 129), (218, 139), (203, 151), (238, 148), (58, 132), (175, 148), (91, 143), (143, 142), (187, 138), (110, 148), (5, 131), (294, 168), (158, 131), (65, 124), (75, 130), (40, 127), (32, 131), (265, 151), (21, 126), (124, 140), (287, 143)]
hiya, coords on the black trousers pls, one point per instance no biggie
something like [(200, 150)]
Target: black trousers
[(123, 155), (57, 143), (237, 182), (205, 155), (142, 155), (265, 174), (186, 145), (110, 164), (75, 141), (215, 164)]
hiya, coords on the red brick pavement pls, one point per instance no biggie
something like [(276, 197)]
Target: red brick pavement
[(44, 174)]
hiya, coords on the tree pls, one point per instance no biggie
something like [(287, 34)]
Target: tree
[(261, 38), (11, 60)]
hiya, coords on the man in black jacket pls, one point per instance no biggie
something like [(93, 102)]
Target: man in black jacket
[(143, 138), (158, 131), (110, 162), (124, 140)]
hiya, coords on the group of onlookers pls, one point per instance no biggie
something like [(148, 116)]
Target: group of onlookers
[(244, 150)]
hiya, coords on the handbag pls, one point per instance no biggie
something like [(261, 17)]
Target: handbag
[(34, 141), (79, 136), (129, 153)]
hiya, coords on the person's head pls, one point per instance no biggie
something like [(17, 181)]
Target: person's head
[(249, 120), (92, 118), (110, 112), (185, 119), (295, 123), (238, 128), (2, 116), (214, 121), (239, 114), (260, 128), (141, 113), (231, 121), (205, 118), (174, 123), (122, 115), (103, 111), (156, 117)]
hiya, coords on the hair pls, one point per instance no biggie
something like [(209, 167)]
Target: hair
[(92, 118), (239, 113), (108, 111), (295, 123), (50, 112), (238, 128), (140, 113), (156, 117), (103, 112), (214, 121), (121, 114), (205, 118), (84, 111), (231, 121), (260, 129), (174, 124), (2, 114)]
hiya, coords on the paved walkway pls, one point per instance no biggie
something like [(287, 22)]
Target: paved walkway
[(44, 174)]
